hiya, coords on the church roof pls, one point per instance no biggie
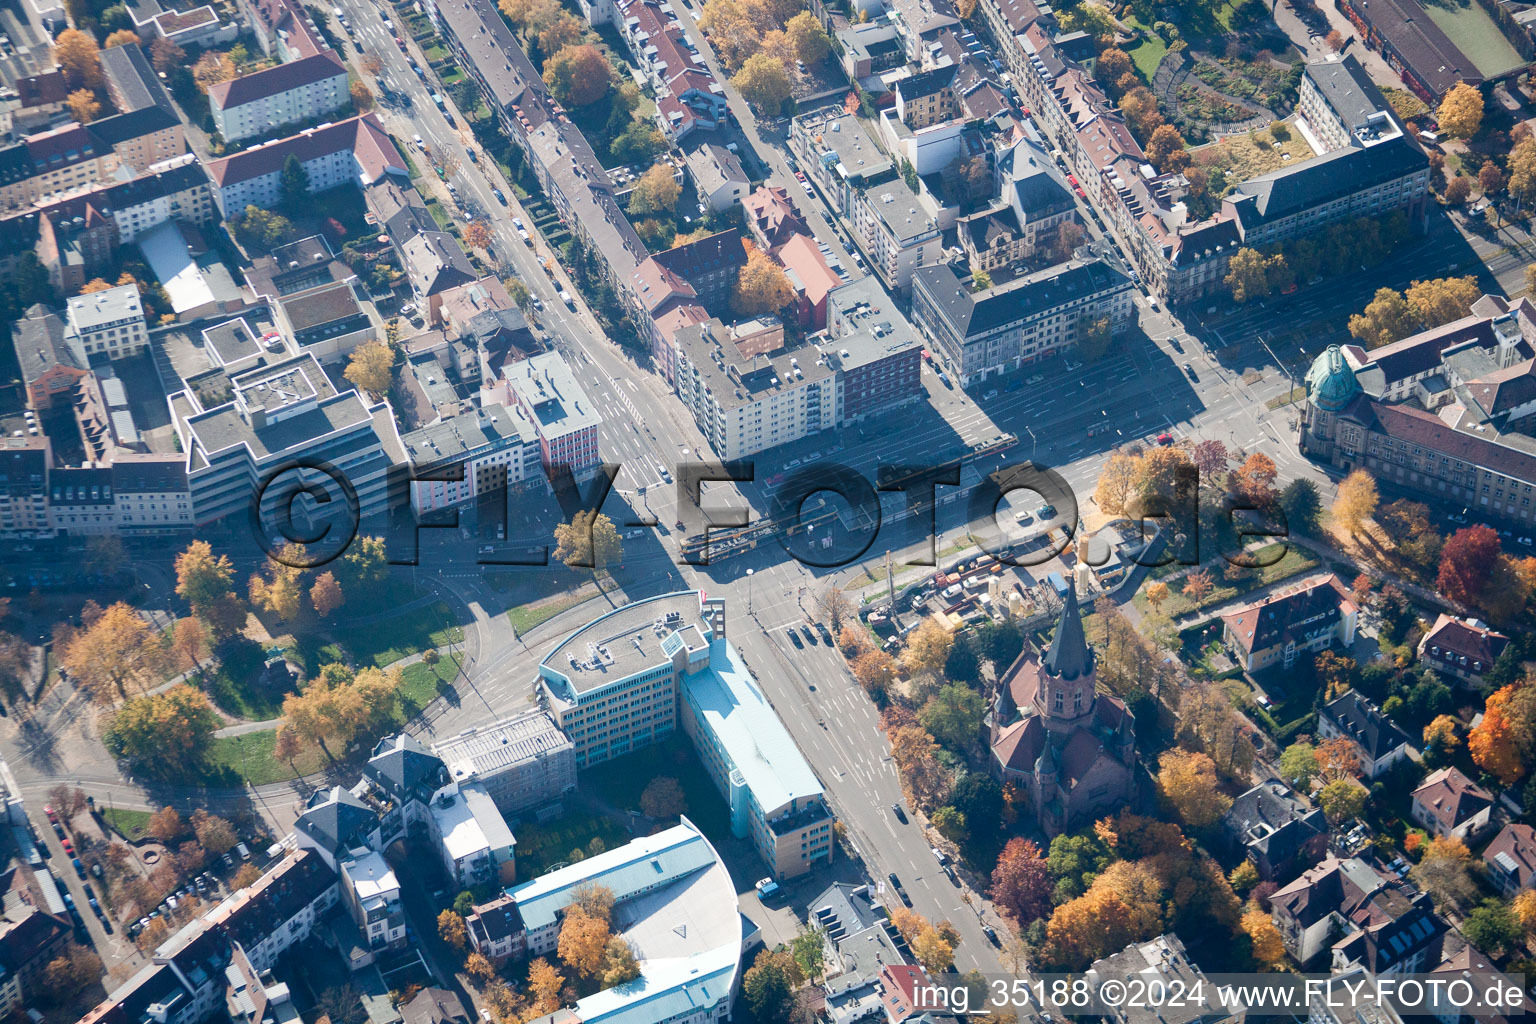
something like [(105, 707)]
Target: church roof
[(1069, 656)]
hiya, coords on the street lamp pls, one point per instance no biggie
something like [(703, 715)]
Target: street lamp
[(749, 591)]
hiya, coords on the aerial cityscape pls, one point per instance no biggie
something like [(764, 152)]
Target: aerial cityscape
[(769, 511)]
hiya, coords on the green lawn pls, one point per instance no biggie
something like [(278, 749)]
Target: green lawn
[(248, 760), (527, 616), (1295, 560), (386, 641), (129, 824), (1148, 53), (420, 683), (539, 847)]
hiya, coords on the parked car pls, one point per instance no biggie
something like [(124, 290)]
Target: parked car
[(53, 815), (806, 629), (900, 812), (794, 637), (991, 934), (79, 867), (500, 196)]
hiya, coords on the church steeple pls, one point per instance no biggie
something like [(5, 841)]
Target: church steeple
[(1069, 656)]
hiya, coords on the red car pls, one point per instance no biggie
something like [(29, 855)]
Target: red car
[(1080, 193), (53, 815), (69, 847), (799, 175), (1072, 178), (1165, 439)]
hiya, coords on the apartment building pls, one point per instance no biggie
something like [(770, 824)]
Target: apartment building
[(283, 29), (1447, 803), (273, 98), (356, 151), (108, 322), (564, 419), (275, 415), (622, 681), (1380, 744), (477, 453), (746, 391), (142, 138), (1034, 202), (279, 910), (998, 330), (687, 95), (525, 762), (474, 842), (131, 81), (24, 465)]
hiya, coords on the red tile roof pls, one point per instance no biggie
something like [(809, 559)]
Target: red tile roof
[(816, 279)]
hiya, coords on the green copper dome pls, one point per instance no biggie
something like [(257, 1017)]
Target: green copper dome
[(1331, 384)]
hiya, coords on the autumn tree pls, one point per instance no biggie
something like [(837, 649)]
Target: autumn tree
[(83, 105), (657, 191), (1337, 759), (619, 962), (1246, 275), (663, 798), (1490, 178), (337, 706), (1268, 948), (1502, 743), (761, 286), (934, 950), (165, 733), (1021, 882), (189, 639), (122, 37), (578, 75), (211, 69), (1187, 781), (372, 368), (1166, 150), (1522, 171), (216, 835), (583, 942), (1090, 927), (1458, 189), (451, 929), (1117, 483), (1385, 319), (1113, 64), (166, 825), (836, 607), (1442, 300), (924, 781), (807, 38), (74, 970), (1461, 112), (79, 59), (1444, 870), (767, 987), (1341, 800), (1198, 586), (248, 875), (477, 235), (206, 582), (115, 652), (1467, 561), (325, 594), (166, 55), (875, 670), (927, 648), (544, 984), (763, 82), (1356, 501), (280, 592), (588, 540)]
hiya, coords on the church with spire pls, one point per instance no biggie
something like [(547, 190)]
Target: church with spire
[(1068, 748)]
